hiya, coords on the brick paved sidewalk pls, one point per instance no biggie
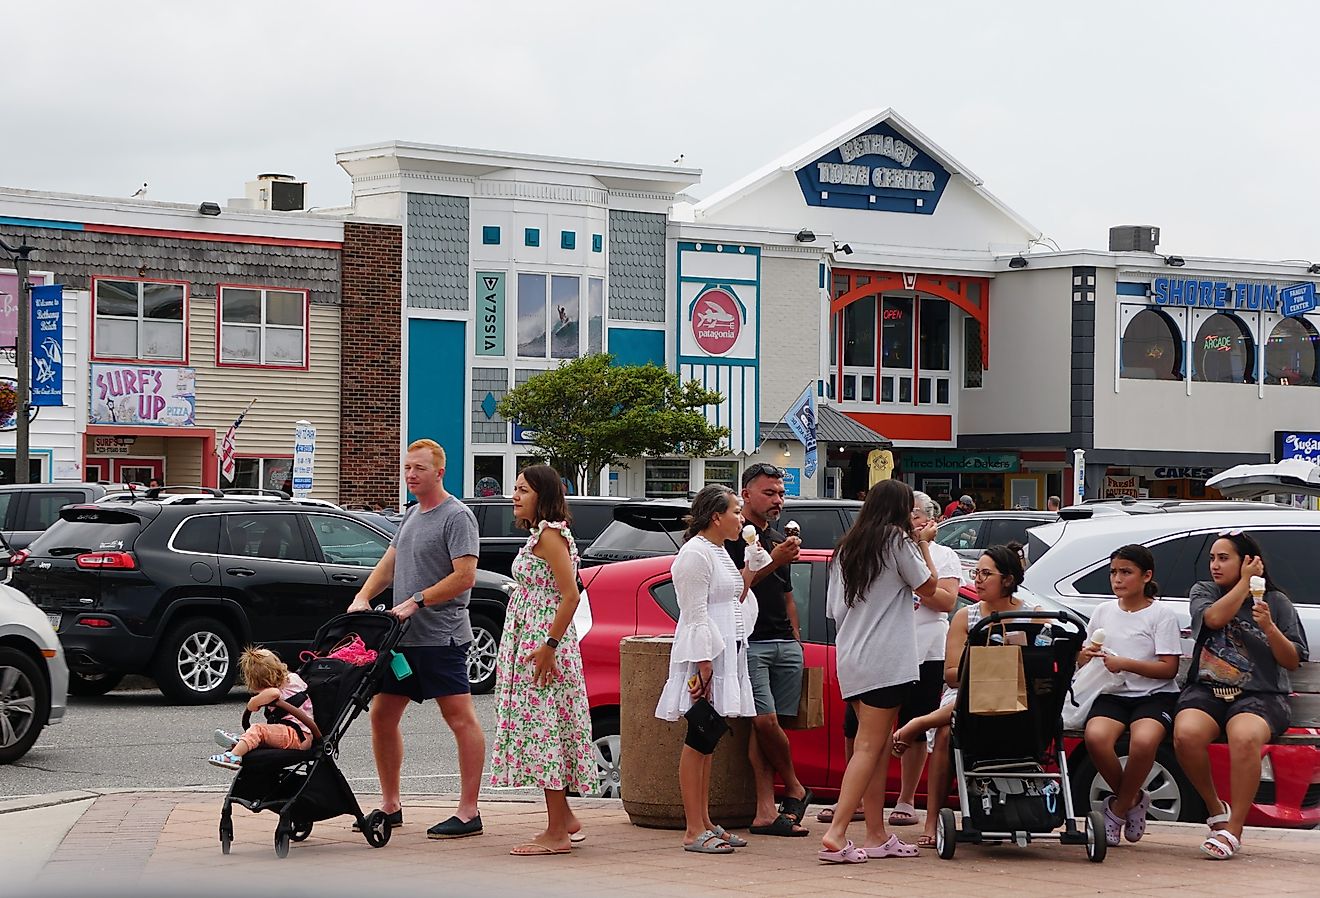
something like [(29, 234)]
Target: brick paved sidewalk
[(159, 840)]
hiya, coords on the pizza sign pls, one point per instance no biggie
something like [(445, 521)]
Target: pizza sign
[(716, 321)]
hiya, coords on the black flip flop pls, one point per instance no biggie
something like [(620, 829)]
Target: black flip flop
[(797, 807), (783, 826)]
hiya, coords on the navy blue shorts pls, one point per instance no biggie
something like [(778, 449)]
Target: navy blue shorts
[(437, 671)]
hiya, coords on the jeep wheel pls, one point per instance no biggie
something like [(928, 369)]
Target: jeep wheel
[(92, 684), (24, 703), (197, 662), (482, 654)]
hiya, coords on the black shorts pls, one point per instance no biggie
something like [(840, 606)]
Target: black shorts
[(1127, 708), (437, 671), (1270, 706), (925, 697), (884, 697)]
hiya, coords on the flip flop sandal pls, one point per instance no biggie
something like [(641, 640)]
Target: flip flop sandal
[(848, 854), (536, 849), (784, 825), (1135, 825), (1220, 845), (226, 759), (797, 807), (1219, 818), (903, 816), (735, 841), (709, 843), (827, 816), (578, 837), (1113, 823), (895, 847), (925, 841)]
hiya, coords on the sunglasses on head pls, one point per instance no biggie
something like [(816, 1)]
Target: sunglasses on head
[(1230, 532), (764, 468)]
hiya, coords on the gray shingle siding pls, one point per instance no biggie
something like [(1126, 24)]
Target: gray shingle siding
[(437, 252), (496, 382), (76, 256), (637, 266)]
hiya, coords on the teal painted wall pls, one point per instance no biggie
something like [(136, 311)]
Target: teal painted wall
[(437, 383), (635, 346)]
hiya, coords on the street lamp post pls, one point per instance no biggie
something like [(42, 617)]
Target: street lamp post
[(22, 361)]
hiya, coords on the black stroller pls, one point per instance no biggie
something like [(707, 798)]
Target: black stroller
[(304, 786), (1004, 789)]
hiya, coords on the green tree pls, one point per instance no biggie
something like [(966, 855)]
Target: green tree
[(588, 413)]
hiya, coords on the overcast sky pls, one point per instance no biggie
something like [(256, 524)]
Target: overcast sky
[(1199, 117)]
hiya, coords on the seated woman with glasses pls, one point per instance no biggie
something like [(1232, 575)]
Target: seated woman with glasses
[(997, 576), (1247, 639)]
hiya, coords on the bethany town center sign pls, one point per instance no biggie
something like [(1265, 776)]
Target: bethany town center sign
[(879, 170)]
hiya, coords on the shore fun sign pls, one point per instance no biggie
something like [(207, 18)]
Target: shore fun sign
[(143, 396), (1292, 301)]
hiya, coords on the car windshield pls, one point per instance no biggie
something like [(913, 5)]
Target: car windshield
[(959, 534), (87, 531), (621, 537)]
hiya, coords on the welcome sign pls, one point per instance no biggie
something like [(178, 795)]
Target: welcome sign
[(879, 170)]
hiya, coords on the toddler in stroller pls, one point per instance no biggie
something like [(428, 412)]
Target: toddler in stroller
[(283, 694), (302, 783)]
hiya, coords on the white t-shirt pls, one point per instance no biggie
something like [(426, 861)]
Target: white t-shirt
[(1141, 635), (932, 625), (876, 643)]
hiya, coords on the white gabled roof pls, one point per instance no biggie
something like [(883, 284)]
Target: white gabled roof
[(831, 138)]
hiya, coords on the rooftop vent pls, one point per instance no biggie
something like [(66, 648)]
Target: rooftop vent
[(278, 193), (1134, 238)]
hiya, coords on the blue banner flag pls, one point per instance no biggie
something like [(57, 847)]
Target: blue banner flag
[(801, 419), (48, 344)]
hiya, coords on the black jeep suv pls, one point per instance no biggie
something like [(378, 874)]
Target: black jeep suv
[(174, 588)]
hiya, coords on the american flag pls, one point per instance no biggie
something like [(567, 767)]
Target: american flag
[(227, 445)]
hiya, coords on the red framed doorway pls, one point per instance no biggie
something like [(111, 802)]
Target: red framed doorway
[(112, 469)]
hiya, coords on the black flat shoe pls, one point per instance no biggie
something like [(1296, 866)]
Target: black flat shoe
[(453, 828), (395, 820)]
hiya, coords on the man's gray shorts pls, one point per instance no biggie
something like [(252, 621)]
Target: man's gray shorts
[(776, 672)]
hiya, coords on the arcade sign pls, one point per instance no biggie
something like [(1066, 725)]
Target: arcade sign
[(879, 170)]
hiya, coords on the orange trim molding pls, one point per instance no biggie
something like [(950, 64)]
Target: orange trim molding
[(906, 427)]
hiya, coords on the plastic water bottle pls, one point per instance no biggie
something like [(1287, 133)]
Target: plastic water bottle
[(1045, 636)]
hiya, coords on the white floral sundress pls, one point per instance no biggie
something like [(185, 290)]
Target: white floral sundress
[(542, 735)]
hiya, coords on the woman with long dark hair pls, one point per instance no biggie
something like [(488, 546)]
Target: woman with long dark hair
[(543, 722), (1247, 639), (1136, 638), (878, 565), (709, 656)]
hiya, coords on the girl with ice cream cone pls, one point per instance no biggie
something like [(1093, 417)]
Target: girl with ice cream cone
[(1136, 638)]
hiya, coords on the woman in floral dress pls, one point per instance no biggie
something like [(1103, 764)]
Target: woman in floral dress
[(543, 724)]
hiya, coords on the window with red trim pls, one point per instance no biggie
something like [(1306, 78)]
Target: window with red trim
[(268, 473), (262, 327), (140, 320)]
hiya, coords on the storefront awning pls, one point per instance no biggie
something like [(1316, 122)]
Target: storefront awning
[(833, 428)]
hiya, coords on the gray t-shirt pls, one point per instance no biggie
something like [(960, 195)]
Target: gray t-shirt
[(425, 548), (876, 642)]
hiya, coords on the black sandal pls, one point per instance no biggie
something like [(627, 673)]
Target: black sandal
[(784, 825), (797, 807)]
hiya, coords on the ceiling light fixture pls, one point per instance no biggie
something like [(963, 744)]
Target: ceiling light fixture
[(1018, 261)]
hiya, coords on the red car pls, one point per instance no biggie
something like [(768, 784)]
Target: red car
[(632, 598)]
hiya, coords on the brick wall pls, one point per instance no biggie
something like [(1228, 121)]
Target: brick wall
[(369, 379)]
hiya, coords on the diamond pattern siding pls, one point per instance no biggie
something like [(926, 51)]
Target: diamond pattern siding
[(637, 266), (75, 256), (437, 252), (492, 384)]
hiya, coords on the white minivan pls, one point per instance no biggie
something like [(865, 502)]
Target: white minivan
[(1070, 558)]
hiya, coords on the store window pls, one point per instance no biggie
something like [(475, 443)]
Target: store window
[(973, 372), (140, 320), (1224, 352), (565, 317), (272, 473), (896, 333), (934, 339), (859, 333), (9, 470), (1290, 354), (725, 472), (595, 315), (263, 327), (488, 475), (550, 315), (668, 478), (1151, 348)]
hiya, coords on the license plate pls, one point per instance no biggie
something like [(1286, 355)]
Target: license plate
[(54, 621)]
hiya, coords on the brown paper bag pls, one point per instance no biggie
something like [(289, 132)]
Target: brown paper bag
[(811, 702), (996, 681)]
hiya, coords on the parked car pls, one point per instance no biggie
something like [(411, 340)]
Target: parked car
[(27, 509), (648, 528), (969, 535), (33, 677), (1070, 558), (501, 538), (633, 598), (175, 589)]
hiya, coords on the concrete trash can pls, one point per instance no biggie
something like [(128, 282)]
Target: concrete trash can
[(649, 747)]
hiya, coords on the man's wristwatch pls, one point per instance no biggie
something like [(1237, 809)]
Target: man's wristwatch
[(552, 642), (418, 598)]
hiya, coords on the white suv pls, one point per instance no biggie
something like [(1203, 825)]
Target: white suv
[(1070, 559), (34, 680)]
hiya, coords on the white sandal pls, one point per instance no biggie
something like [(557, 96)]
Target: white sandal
[(1213, 847)]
